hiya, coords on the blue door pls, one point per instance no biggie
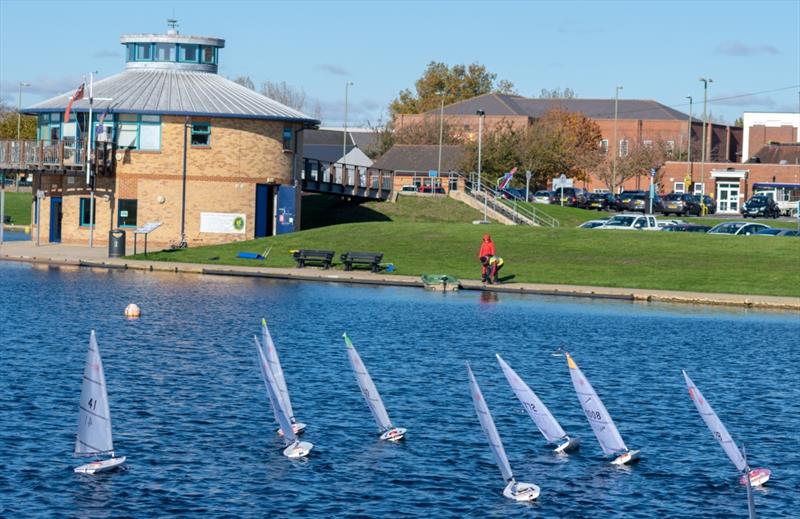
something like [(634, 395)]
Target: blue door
[(55, 220), (264, 222), (286, 214)]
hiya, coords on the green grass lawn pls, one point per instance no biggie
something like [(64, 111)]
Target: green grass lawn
[(673, 261), (18, 207)]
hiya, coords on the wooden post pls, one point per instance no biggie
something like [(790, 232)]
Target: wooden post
[(60, 153), (40, 154)]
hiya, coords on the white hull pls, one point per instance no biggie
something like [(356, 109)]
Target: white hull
[(626, 457), (297, 427), (298, 450), (521, 491), (757, 477), (394, 435), (100, 466), (570, 445)]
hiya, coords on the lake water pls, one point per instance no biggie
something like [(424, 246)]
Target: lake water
[(191, 413)]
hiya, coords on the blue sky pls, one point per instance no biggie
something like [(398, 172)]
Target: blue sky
[(656, 50)]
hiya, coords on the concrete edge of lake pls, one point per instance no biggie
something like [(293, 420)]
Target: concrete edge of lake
[(94, 258)]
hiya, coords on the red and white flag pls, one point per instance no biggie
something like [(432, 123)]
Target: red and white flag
[(75, 97)]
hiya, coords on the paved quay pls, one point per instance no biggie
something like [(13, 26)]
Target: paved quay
[(82, 256)]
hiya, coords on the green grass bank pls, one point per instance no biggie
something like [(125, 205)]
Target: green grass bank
[(18, 207), (668, 261)]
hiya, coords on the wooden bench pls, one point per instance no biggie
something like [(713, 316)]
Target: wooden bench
[(303, 256), (373, 259)]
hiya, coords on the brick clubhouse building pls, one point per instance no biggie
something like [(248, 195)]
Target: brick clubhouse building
[(170, 141)]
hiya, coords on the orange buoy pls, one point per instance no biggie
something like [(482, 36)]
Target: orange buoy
[(132, 311)]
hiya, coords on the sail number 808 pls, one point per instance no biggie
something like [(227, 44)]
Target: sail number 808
[(593, 415)]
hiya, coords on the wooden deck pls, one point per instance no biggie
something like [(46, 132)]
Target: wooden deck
[(346, 180), (66, 156)]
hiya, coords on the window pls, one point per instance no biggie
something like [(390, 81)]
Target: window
[(188, 53), (604, 146), (670, 146), (287, 138), (647, 143), (150, 132), (699, 189), (131, 55), (126, 213), (144, 52), (84, 212), (208, 54), (201, 134), (623, 147), (127, 131), (678, 187), (165, 52)]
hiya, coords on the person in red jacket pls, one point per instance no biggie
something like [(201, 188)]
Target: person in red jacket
[(486, 252)]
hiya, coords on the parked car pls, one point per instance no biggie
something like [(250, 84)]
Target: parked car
[(776, 232), (572, 196), (711, 204), (409, 188), (631, 222), (591, 224), (667, 223), (738, 228), (761, 205), (642, 203), (427, 189), (680, 204), (687, 227), (542, 197), (624, 198), (602, 201), (514, 192)]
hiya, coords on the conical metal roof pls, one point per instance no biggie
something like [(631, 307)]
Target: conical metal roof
[(166, 91)]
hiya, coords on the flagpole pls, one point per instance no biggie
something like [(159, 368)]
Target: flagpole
[(89, 179)]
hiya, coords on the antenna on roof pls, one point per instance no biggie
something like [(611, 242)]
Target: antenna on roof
[(173, 25)]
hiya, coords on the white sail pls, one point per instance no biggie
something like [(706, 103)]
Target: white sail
[(715, 425), (277, 405), (535, 408), (489, 429), (277, 370), (367, 387), (264, 366), (603, 426), (94, 417)]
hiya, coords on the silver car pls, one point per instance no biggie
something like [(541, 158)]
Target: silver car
[(738, 228)]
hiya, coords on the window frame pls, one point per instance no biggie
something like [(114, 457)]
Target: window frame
[(620, 146), (119, 210), (682, 187), (159, 45), (206, 132), (604, 146), (85, 203), (288, 143), (183, 46), (142, 45)]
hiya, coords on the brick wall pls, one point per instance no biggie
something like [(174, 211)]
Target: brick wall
[(761, 135), (220, 178)]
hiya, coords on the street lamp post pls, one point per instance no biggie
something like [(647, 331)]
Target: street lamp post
[(616, 142), (705, 81), (441, 138), (689, 146), (19, 125), (347, 86), (481, 114)]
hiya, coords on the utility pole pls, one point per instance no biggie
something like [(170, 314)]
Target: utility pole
[(481, 114), (347, 86), (441, 138), (689, 146), (705, 81), (616, 142)]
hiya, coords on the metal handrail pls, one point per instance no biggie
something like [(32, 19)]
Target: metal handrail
[(513, 207)]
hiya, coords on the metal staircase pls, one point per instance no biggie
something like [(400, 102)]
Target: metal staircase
[(514, 208)]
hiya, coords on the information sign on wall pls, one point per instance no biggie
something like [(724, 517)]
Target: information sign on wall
[(225, 223)]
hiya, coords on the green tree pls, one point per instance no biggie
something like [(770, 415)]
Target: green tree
[(739, 122), (557, 93), (8, 124), (454, 83)]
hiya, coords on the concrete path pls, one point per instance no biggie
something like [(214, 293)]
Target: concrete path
[(57, 254)]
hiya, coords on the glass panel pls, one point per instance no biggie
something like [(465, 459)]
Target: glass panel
[(127, 117), (131, 54), (55, 118), (150, 137), (188, 53), (55, 133), (126, 214), (144, 51), (208, 54), (127, 135), (165, 52), (151, 118), (287, 139), (201, 134), (85, 205), (69, 129)]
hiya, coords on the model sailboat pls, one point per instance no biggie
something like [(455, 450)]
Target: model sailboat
[(94, 418), (539, 413), (757, 476), (294, 447), (371, 395), (603, 426), (277, 370), (513, 490)]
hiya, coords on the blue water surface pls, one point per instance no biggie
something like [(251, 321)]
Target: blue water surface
[(191, 413)]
